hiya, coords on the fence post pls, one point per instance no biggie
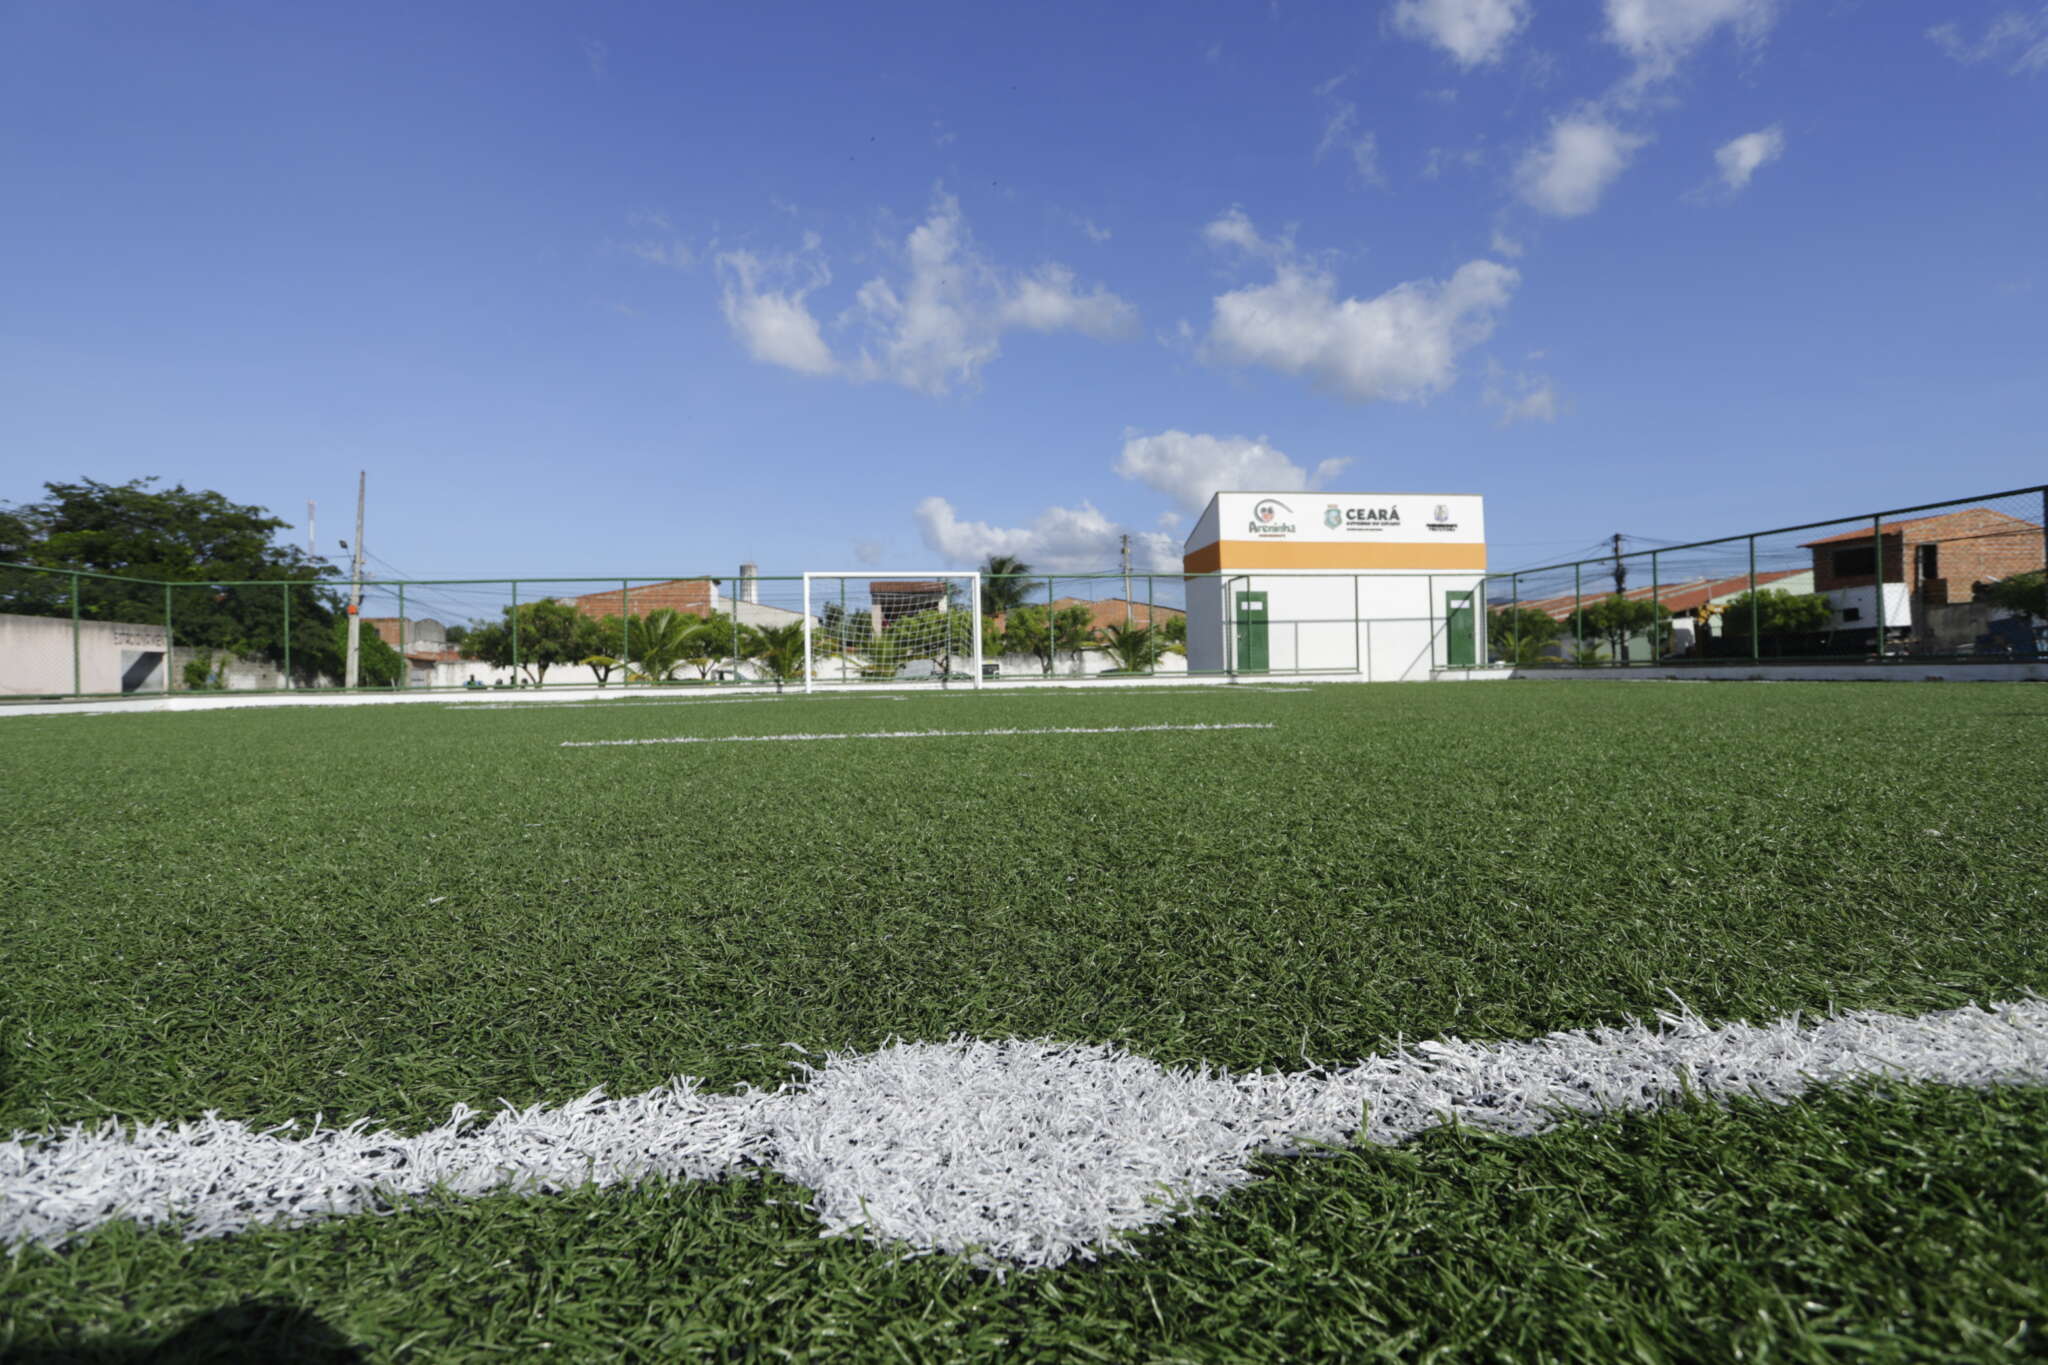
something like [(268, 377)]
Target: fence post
[(736, 679), (1431, 604), (1052, 634), (625, 634), (287, 635), (1578, 621), (1363, 660), (515, 634), (1656, 601), (404, 663), (1515, 597), (167, 639), (77, 677), (1152, 626), (1877, 565), (1756, 612)]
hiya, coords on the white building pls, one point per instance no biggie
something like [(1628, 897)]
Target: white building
[(1385, 586)]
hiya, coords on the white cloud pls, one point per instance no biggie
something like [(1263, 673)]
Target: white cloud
[(1060, 539), (1520, 397), (1659, 34), (674, 254), (1504, 245), (776, 325), (1740, 158), (1402, 345), (1474, 32), (1342, 133), (869, 553), (1189, 467), (1566, 175), (942, 322), (2022, 37)]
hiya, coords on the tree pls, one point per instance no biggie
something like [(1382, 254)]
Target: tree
[(2021, 592), (1616, 618), (935, 635), (659, 641), (1517, 635), (546, 636), (178, 535), (602, 641), (778, 649), (1174, 629), (1776, 612), (1133, 648), (1003, 584), (707, 642), (377, 664), (1043, 632)]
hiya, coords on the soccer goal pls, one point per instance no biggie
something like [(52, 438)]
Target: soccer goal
[(892, 627)]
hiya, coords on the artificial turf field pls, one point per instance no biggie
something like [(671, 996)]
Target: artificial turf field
[(386, 911)]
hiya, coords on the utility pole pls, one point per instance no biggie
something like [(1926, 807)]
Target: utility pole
[(312, 541), (1127, 580), (355, 599), (1620, 569)]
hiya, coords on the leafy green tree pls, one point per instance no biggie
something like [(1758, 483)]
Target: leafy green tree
[(660, 640), (709, 641), (178, 535), (1003, 584), (939, 636), (1615, 618), (604, 640), (778, 649), (1046, 633), (377, 664), (1777, 612), (1517, 635), (1133, 648), (547, 635), (2021, 592), (1174, 628)]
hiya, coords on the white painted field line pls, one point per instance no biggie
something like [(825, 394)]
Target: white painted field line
[(574, 706), (1019, 1153), (912, 734)]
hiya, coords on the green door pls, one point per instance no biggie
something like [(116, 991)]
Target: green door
[(1461, 648), (1251, 632)]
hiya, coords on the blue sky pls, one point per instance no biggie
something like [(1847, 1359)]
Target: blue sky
[(652, 289)]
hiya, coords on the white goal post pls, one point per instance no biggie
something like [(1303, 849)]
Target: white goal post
[(875, 626)]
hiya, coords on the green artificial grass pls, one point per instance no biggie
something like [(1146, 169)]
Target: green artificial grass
[(384, 911)]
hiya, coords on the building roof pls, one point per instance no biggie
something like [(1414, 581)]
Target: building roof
[(1900, 527), (1687, 595)]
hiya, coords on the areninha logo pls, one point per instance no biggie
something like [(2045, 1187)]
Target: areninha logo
[(1442, 520), (1267, 518), (1334, 517)]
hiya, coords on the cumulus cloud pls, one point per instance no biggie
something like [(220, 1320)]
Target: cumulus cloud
[(1060, 539), (1566, 174), (1739, 158), (1188, 467), (1660, 34), (1474, 32), (775, 324), (2013, 34), (941, 321), (1402, 345)]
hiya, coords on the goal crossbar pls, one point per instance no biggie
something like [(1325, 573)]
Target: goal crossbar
[(970, 587)]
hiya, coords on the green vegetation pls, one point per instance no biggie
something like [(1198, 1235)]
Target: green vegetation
[(1518, 634), (241, 911), (1777, 612), (1617, 619), (2022, 592)]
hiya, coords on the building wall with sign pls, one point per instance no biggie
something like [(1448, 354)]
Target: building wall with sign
[(1345, 583)]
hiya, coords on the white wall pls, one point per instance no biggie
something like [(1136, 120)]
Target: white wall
[(1898, 606), (35, 655), (1387, 626)]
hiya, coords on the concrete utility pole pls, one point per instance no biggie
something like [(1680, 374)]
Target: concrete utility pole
[(355, 599), (1127, 580), (1620, 569), (312, 541)]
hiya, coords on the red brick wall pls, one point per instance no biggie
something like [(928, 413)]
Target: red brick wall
[(692, 595), (1971, 546)]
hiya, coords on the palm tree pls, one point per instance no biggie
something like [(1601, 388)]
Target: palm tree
[(661, 639), (1004, 584), (1134, 648), (778, 649)]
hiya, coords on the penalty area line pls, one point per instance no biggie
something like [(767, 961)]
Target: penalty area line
[(912, 734)]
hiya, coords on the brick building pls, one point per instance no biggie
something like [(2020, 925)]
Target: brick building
[(1928, 562)]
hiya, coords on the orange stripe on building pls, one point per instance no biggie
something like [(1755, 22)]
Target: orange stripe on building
[(1366, 555)]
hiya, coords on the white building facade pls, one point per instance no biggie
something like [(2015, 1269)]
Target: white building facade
[(1383, 586)]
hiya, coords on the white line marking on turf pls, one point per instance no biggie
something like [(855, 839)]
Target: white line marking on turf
[(914, 734), (1018, 1153)]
